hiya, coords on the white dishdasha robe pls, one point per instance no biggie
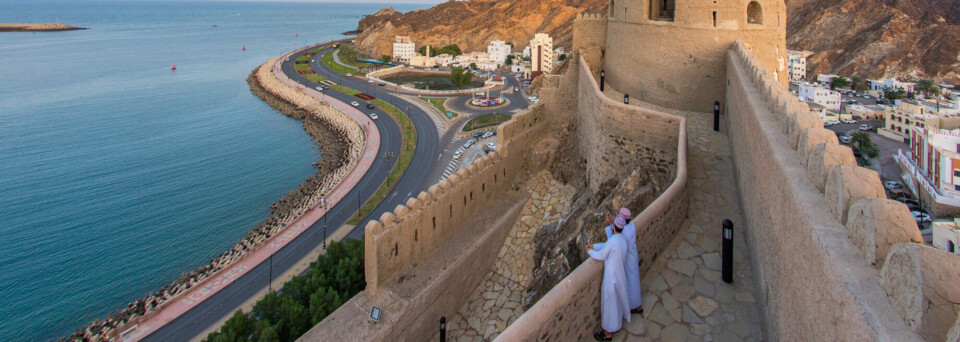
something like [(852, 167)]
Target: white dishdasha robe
[(613, 289), (632, 268)]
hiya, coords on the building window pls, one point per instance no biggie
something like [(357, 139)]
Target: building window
[(956, 173), (951, 247), (956, 188), (754, 13), (662, 9)]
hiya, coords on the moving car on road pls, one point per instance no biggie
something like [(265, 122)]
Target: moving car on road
[(370, 105), (374, 116), (355, 104)]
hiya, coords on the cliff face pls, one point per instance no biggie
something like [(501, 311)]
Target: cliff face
[(872, 38), (878, 38), (472, 24)]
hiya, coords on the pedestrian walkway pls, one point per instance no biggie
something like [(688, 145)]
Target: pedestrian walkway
[(498, 301), (336, 59), (684, 298)]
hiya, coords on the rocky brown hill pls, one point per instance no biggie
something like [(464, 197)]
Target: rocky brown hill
[(873, 38)]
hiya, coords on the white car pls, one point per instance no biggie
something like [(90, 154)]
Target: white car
[(849, 121), (355, 104), (374, 116), (920, 216), (486, 135), (349, 75), (457, 154), (831, 123), (492, 145), (892, 185), (866, 96), (469, 143), (865, 127), (845, 139), (320, 88)]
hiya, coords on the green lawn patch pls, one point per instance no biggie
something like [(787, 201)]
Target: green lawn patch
[(315, 77), (484, 121), (438, 103), (301, 66), (328, 60)]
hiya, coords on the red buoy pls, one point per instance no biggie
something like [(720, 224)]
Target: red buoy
[(174, 67), (296, 34), (244, 48)]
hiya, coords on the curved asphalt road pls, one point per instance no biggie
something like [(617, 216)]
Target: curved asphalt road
[(229, 299)]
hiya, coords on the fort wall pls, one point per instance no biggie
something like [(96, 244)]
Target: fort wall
[(679, 62), (819, 278), (569, 311)]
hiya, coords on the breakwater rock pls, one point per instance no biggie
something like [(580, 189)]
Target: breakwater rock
[(341, 141), (38, 27)]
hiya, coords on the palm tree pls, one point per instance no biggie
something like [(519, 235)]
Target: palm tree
[(858, 83), (927, 88), (839, 82), (866, 146)]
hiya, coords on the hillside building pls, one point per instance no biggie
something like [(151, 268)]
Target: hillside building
[(890, 83), (444, 59), (826, 79), (829, 99), (498, 50), (541, 54), (403, 49), (932, 165), (864, 112), (899, 121), (797, 65)]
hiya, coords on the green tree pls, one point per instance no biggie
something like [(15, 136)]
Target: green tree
[(866, 146), (927, 88), (460, 77), (858, 83), (839, 82), (562, 56), (452, 50), (509, 60), (910, 95), (473, 66), (386, 58), (891, 94)]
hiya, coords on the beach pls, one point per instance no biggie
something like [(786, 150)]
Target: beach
[(40, 27)]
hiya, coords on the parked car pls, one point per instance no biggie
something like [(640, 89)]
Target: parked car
[(516, 88), (374, 116), (486, 135), (457, 154), (845, 139), (866, 96), (892, 185), (856, 153), (831, 123), (349, 75), (469, 143), (493, 132), (381, 84), (492, 145), (478, 134), (370, 106), (920, 216), (865, 127), (849, 121), (355, 104)]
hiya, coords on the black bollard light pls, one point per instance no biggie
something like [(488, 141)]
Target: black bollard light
[(716, 116), (626, 98), (603, 75), (443, 329), (727, 251)]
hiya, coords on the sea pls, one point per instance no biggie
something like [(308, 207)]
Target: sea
[(118, 174)]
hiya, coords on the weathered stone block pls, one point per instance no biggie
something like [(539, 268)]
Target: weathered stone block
[(810, 138), (823, 158), (372, 228), (401, 212), (875, 225), (388, 219), (427, 196), (847, 184), (923, 286), (800, 122), (413, 203)]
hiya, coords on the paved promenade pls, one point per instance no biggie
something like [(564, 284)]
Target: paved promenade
[(184, 302)]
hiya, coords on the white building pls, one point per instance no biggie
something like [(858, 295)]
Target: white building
[(825, 78), (403, 49), (526, 52), (933, 164), (541, 53), (797, 65), (444, 59), (890, 83), (946, 236), (498, 50), (829, 99)]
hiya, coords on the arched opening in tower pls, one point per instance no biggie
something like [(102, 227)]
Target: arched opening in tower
[(754, 13)]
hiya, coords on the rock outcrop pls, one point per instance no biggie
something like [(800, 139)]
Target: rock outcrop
[(874, 38)]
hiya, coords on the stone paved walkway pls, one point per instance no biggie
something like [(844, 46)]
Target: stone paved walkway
[(497, 302), (683, 296)]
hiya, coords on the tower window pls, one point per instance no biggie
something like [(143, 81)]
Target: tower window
[(662, 9), (754, 13), (714, 18)]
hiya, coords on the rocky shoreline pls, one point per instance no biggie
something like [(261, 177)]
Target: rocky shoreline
[(341, 141), (38, 27)]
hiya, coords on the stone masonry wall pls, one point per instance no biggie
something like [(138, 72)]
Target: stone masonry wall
[(570, 311), (816, 223)]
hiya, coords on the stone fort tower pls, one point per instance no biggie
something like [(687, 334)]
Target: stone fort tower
[(671, 52)]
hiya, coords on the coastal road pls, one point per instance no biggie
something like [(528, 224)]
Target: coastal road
[(227, 300)]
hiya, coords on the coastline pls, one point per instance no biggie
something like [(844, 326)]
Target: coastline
[(39, 27), (341, 141)]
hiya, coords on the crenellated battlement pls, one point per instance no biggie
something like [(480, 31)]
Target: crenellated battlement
[(877, 290)]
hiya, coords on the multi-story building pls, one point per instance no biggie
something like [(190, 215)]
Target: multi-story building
[(526, 52), (403, 49), (826, 79), (444, 59), (932, 165), (900, 120), (890, 83), (796, 65), (541, 54), (829, 99), (864, 112), (499, 50)]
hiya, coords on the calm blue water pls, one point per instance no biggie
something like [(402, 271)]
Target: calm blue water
[(116, 174)]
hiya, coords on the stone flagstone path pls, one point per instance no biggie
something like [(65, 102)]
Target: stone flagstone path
[(497, 302)]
